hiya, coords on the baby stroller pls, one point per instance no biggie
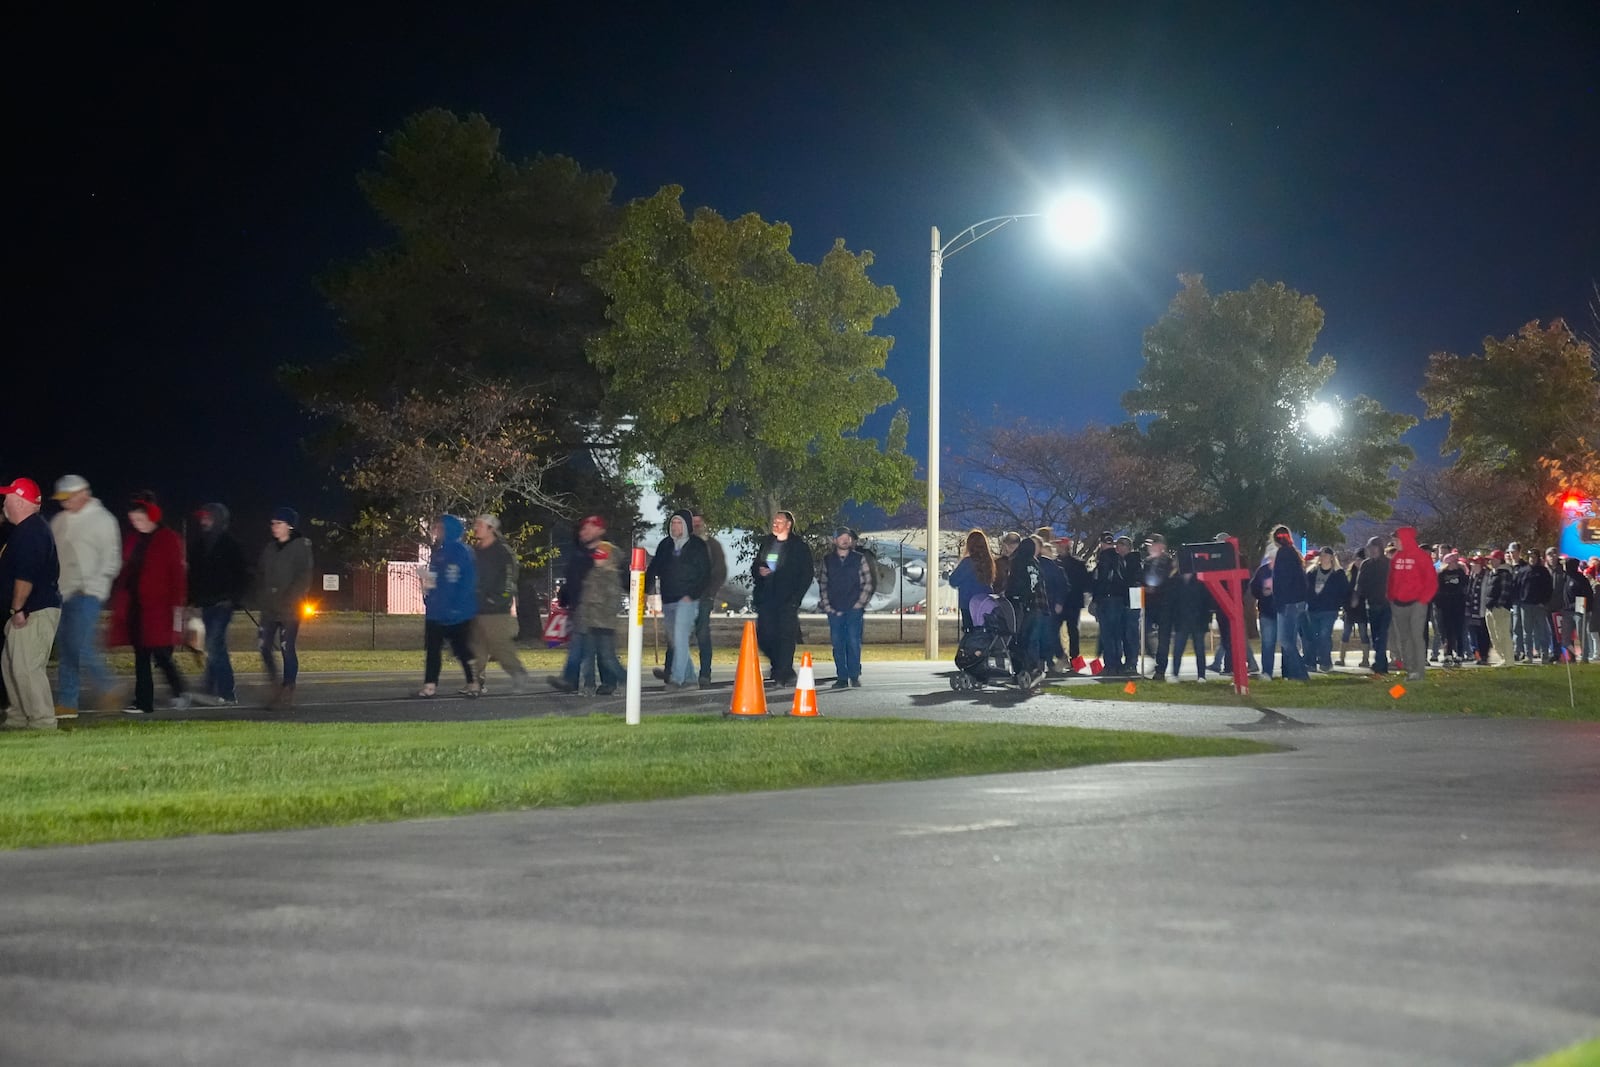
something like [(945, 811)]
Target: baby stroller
[(986, 655)]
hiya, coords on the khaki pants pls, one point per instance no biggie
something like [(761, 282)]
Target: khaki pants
[(1499, 623), (23, 663), (494, 637), (1410, 623)]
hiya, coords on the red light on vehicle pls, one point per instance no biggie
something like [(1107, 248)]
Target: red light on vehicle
[(1572, 502)]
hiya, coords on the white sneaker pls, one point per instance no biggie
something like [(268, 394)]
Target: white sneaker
[(182, 701)]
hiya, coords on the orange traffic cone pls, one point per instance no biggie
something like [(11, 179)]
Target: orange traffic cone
[(805, 689), (749, 695)]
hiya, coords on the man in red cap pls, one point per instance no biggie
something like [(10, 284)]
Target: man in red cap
[(29, 578)]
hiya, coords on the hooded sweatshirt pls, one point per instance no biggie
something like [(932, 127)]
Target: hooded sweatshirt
[(1372, 580), (1412, 578), (217, 571), (89, 546), (451, 582), (683, 565)]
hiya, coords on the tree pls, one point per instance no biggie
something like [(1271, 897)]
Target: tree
[(461, 453), (1455, 506), (1021, 476), (743, 375), (1525, 410), (484, 277), (1228, 382)]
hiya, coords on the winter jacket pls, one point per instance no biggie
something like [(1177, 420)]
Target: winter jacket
[(1502, 587), (1266, 606), (1025, 582), (450, 584), (217, 571), (1372, 581), (1288, 577), (683, 571), (1519, 581), (845, 583), (1412, 579), (89, 548), (496, 577), (1576, 587), (786, 586), (964, 580), (602, 585), (148, 597), (1157, 572), (1537, 586), (717, 558), (1334, 592), (1079, 583), (579, 564), (1056, 586), (1120, 574), (1190, 604), (283, 576)]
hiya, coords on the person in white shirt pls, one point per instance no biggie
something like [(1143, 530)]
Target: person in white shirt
[(89, 545)]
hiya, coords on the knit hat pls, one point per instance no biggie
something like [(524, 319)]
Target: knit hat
[(286, 515)]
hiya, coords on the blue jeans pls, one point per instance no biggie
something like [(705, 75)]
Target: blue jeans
[(79, 646), (1269, 643), (1519, 632), (1378, 618), (1322, 627), (219, 668), (591, 651), (1113, 614), (1289, 639), (845, 629), (1132, 638), (680, 616), (289, 629)]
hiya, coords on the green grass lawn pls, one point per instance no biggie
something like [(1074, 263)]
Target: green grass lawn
[(1583, 1054), (167, 779), (1513, 692)]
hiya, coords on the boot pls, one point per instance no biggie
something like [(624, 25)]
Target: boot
[(1344, 646), (274, 695), (285, 697), (1365, 656)]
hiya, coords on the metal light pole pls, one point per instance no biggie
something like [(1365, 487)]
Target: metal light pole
[(971, 235)]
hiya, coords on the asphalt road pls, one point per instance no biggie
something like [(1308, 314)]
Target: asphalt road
[(1391, 890)]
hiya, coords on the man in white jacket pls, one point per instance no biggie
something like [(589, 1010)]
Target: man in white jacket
[(89, 545)]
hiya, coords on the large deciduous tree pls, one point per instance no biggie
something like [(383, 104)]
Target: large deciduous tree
[(1019, 476), (1228, 383), (1525, 412), (745, 375)]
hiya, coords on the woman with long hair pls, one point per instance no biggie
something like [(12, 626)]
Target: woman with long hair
[(973, 575)]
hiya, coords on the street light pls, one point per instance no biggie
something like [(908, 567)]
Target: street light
[(1077, 221)]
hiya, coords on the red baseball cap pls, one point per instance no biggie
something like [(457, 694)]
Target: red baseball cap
[(26, 488)]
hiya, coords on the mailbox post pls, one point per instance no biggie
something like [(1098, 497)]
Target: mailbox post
[(1216, 563)]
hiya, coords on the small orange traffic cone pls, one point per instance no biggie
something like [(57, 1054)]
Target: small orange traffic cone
[(1130, 689), (749, 695), (805, 689)]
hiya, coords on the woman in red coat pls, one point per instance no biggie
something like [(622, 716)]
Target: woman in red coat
[(147, 604)]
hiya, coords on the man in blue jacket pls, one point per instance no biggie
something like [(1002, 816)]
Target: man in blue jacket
[(450, 602)]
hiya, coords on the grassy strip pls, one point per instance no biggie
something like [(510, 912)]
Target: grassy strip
[(1510, 692), (1583, 1054), (539, 660), (125, 781)]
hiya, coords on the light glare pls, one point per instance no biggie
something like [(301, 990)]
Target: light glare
[(1322, 419), (1077, 220)]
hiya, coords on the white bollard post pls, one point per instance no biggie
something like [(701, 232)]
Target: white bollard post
[(635, 634)]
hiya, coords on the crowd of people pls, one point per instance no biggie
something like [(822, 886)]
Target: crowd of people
[(62, 575), (1404, 604)]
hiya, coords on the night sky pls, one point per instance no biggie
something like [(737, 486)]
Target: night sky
[(1430, 176)]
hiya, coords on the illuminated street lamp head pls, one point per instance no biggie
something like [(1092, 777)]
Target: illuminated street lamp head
[(1322, 419), (1077, 220)]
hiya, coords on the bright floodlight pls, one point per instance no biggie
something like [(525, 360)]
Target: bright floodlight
[(1077, 220), (1322, 419)]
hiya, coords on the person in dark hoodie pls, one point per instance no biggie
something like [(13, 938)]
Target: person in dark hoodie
[(450, 603), (1189, 608), (218, 581), (1289, 593), (1575, 589), (1538, 586), (283, 578), (493, 631), (781, 574), (680, 571), (1413, 583), (1026, 589), (1450, 609), (1372, 584)]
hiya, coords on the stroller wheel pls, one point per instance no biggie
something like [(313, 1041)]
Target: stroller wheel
[(957, 681)]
